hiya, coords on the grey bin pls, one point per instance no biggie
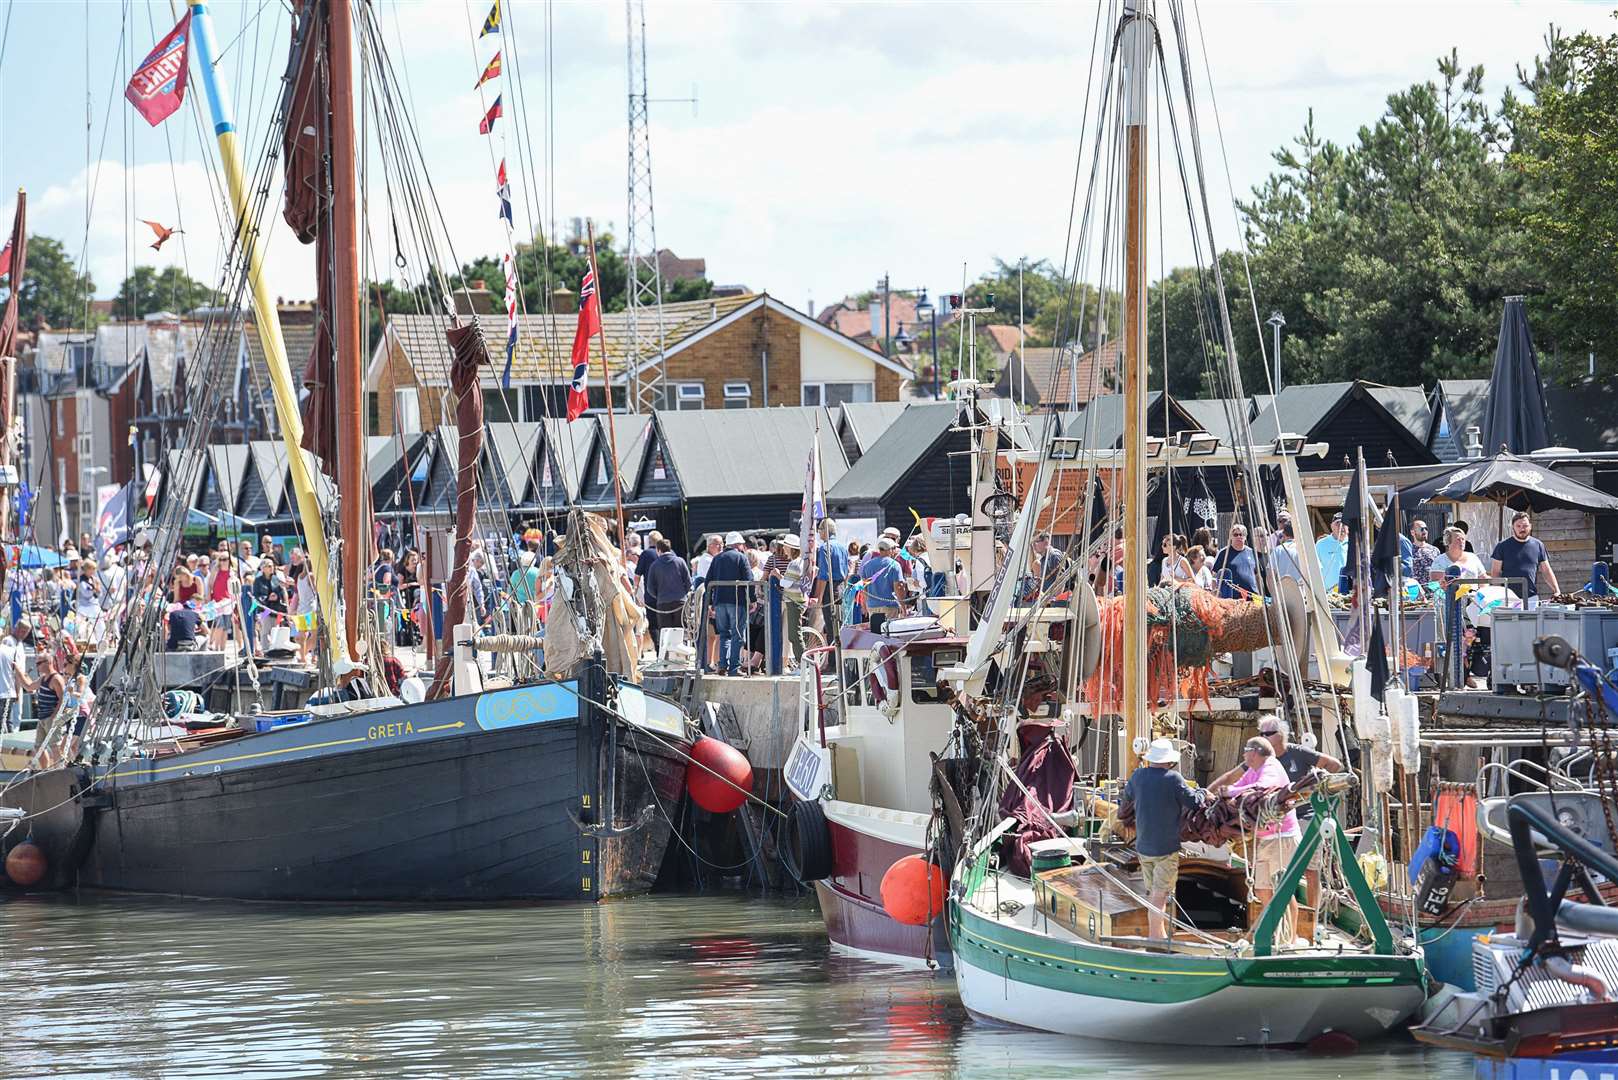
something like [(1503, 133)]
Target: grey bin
[(1592, 631)]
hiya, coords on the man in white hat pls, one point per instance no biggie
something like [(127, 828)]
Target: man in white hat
[(729, 581), (1158, 793)]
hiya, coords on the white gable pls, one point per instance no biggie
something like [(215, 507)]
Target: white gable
[(827, 360)]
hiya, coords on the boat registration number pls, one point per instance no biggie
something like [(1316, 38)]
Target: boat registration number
[(808, 770)]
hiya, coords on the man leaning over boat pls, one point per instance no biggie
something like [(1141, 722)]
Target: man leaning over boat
[(1158, 793)]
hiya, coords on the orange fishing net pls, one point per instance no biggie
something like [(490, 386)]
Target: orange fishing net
[(1178, 649)]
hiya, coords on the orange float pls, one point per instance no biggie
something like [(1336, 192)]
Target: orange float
[(719, 778), (913, 891), (26, 864)]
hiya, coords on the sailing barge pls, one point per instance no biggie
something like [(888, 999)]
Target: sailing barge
[(564, 788)]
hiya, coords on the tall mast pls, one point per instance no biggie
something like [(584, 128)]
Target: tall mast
[(1136, 50), (354, 504), (269, 325)]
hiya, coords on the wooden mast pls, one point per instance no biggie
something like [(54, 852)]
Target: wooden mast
[(1136, 52), (355, 492)]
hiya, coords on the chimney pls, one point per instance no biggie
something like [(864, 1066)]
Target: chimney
[(474, 301), (876, 320), (479, 283), (564, 301)]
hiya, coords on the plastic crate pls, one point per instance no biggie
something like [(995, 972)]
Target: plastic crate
[(1592, 631)]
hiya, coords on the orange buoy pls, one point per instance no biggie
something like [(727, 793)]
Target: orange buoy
[(25, 864), (913, 891), (719, 778)]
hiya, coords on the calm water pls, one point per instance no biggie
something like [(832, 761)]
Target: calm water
[(718, 985)]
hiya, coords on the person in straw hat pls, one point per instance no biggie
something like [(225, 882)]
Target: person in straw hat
[(1158, 793)]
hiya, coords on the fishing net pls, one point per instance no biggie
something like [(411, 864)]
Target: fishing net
[(1186, 627)]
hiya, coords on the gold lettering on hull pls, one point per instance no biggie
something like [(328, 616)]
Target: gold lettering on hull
[(389, 731)]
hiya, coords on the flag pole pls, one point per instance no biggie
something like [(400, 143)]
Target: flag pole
[(269, 331), (606, 385)]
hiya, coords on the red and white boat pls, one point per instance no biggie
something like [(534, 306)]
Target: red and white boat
[(861, 779)]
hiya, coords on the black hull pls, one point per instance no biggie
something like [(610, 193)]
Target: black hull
[(502, 814)]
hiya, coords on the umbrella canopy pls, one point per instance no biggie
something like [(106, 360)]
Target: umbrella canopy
[(34, 557), (1515, 419), (1520, 483)]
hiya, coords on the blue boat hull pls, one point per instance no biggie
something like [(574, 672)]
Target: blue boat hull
[(469, 799)]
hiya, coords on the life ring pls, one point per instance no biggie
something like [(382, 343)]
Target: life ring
[(806, 854)]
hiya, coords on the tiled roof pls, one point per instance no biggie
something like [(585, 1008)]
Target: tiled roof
[(1046, 375), (853, 320), (298, 337), (1003, 336), (545, 342)]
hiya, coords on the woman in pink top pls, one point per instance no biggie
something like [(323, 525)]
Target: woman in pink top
[(1275, 843)]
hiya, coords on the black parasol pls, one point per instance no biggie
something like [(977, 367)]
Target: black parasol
[(1520, 483), (1515, 420)]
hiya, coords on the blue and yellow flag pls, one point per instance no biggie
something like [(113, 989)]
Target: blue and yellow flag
[(491, 25)]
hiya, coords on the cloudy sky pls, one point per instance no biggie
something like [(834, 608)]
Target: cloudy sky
[(830, 143)]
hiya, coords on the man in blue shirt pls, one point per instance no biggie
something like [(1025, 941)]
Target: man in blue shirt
[(1237, 567), (1332, 552), (1523, 556), (1158, 793), (668, 582), (881, 585), (729, 577), (831, 572)]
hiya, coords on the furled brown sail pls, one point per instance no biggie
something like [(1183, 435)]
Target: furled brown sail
[(470, 355)]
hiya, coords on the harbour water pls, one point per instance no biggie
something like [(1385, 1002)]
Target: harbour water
[(713, 985)]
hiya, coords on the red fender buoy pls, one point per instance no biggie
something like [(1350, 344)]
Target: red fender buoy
[(719, 778), (913, 891), (26, 864)]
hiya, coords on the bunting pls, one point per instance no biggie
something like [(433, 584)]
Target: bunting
[(490, 117), (511, 315), (589, 323), (491, 25), (503, 190), (490, 72)]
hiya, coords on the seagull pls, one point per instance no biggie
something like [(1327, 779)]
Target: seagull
[(163, 233)]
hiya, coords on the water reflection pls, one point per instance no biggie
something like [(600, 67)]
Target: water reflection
[(717, 985)]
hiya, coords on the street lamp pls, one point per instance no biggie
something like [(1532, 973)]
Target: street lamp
[(1275, 322), (902, 339), (926, 310)]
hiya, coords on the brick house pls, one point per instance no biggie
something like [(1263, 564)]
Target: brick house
[(718, 354)]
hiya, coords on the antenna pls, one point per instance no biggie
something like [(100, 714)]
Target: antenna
[(644, 287)]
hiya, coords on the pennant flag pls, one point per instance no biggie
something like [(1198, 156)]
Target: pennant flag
[(511, 312), (503, 189), (589, 323), (490, 72), (5, 259), (813, 508), (158, 87), (491, 25), (489, 119)]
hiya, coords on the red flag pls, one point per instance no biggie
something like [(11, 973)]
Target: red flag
[(158, 87), (589, 323), (5, 259), (490, 72), (488, 121)]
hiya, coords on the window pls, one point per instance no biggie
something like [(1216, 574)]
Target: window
[(688, 396), (407, 410), (838, 393), (500, 406), (598, 397), (738, 395)]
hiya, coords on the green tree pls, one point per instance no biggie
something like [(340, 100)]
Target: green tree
[(1568, 153), (53, 292), (566, 267), (148, 289)]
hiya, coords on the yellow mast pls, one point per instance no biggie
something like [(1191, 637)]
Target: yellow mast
[(1136, 50), (269, 331)]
